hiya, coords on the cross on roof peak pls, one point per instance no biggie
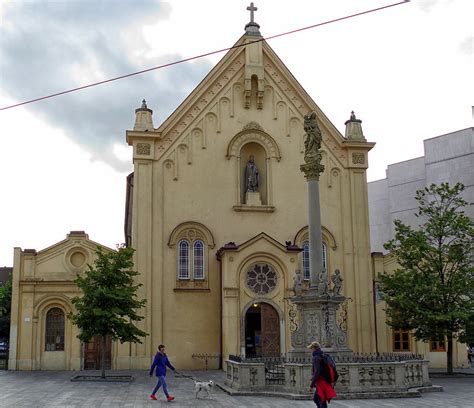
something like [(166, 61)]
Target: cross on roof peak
[(252, 28), (252, 8)]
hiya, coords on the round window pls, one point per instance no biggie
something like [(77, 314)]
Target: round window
[(261, 278)]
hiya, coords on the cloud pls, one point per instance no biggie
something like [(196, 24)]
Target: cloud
[(466, 45), (428, 5), (47, 47)]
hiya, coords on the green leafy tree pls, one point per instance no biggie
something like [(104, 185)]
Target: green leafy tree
[(432, 291), (5, 308), (109, 304)]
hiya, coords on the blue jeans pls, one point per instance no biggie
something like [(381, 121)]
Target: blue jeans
[(317, 400), (161, 382)]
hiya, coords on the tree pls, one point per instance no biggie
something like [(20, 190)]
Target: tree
[(109, 303), (432, 290), (5, 308)]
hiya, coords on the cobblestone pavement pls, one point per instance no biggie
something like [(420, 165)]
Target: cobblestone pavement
[(54, 389)]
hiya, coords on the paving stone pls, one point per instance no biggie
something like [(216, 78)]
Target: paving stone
[(54, 389)]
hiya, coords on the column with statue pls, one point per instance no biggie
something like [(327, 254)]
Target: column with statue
[(317, 307)]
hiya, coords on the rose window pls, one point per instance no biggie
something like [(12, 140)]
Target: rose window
[(261, 278)]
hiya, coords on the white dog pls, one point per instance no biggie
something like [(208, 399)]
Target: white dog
[(203, 385)]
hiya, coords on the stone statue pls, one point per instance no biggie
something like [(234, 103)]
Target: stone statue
[(323, 282), (312, 143), (337, 281), (251, 176), (297, 283)]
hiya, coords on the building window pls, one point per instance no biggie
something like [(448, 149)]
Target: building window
[(54, 339), (183, 259), (401, 340), (191, 242), (437, 345), (198, 259), (306, 272), (261, 278)]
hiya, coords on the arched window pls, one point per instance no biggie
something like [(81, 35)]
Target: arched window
[(54, 339), (306, 274), (183, 259), (198, 259), (193, 241)]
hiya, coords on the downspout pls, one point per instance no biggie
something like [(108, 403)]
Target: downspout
[(374, 287), (221, 342)]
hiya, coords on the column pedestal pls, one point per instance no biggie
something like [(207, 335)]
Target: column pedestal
[(317, 322)]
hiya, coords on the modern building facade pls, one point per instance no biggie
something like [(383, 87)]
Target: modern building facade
[(448, 158)]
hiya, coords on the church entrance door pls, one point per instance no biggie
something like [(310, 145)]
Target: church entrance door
[(262, 331), (92, 353)]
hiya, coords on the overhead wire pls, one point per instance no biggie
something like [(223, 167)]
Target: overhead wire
[(203, 55)]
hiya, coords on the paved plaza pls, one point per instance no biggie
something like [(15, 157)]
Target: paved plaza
[(54, 389)]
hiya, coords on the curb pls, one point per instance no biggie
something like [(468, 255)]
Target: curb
[(412, 393), (427, 389), (98, 378)]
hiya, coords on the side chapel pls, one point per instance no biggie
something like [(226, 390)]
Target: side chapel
[(217, 210)]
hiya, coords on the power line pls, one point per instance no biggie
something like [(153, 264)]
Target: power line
[(204, 55)]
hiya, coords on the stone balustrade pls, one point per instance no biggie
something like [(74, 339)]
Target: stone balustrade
[(357, 374)]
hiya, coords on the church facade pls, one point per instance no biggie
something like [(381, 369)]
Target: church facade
[(217, 210)]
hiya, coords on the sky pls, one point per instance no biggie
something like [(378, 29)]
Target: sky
[(406, 71)]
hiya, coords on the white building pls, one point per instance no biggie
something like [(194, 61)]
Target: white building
[(448, 158)]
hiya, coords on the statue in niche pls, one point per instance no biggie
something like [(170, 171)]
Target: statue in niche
[(297, 283), (323, 282), (313, 139), (251, 176), (337, 281)]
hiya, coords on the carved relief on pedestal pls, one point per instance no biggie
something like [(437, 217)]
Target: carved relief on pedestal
[(253, 376), (294, 315), (312, 320)]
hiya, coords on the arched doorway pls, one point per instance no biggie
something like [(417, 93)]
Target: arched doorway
[(262, 331)]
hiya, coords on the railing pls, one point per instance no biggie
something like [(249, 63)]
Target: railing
[(377, 357), (259, 359), (206, 357), (352, 358)]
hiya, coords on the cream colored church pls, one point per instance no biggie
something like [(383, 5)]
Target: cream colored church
[(217, 212)]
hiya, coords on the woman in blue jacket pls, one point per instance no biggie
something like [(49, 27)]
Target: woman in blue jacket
[(161, 362)]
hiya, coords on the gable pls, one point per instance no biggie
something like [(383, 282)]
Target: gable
[(222, 94), (63, 260)]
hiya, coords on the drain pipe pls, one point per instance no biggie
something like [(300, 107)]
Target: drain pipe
[(374, 288), (221, 342)]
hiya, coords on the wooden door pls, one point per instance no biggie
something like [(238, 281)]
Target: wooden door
[(270, 331), (92, 354)]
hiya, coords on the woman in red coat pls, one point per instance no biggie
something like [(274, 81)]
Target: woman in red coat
[(324, 391)]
